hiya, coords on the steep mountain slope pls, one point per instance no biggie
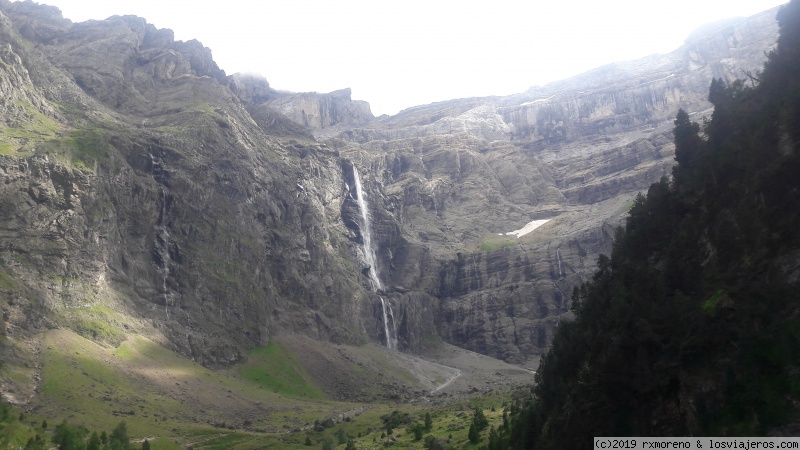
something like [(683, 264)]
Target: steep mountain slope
[(447, 178), (146, 192), (691, 327), (137, 181)]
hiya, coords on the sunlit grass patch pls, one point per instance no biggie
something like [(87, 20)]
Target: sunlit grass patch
[(276, 369)]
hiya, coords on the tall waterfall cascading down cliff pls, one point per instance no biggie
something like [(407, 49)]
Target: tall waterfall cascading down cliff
[(162, 237), (163, 250), (389, 327), (366, 234)]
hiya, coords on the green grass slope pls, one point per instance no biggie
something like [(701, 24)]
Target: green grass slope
[(163, 395), (275, 369), (269, 402)]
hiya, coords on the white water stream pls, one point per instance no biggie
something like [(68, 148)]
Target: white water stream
[(389, 324), (391, 338), (558, 256), (163, 244), (164, 251)]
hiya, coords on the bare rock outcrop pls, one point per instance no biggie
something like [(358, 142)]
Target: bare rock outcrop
[(323, 113)]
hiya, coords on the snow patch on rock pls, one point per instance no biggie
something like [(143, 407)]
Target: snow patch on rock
[(530, 226)]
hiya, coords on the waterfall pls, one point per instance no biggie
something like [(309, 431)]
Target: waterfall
[(372, 261), (558, 256), (164, 237), (391, 335), (366, 234), (385, 324), (392, 338)]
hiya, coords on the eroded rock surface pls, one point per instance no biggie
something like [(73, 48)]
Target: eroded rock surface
[(141, 192), (146, 191), (450, 176)]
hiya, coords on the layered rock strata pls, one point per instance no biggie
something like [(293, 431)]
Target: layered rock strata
[(147, 191)]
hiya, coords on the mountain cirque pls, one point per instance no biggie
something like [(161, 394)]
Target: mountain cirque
[(147, 192), (453, 175)]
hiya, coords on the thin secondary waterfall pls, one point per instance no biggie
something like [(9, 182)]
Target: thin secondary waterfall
[(163, 236), (558, 256), (389, 327), (391, 334), (392, 338)]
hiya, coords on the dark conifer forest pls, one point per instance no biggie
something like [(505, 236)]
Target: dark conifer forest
[(691, 326)]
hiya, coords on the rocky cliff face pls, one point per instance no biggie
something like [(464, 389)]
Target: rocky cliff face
[(453, 175), (141, 195), (321, 112), (146, 191)]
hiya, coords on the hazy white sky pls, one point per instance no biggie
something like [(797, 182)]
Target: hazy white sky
[(404, 53)]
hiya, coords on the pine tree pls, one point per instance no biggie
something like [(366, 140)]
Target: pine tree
[(474, 435), (69, 437), (687, 142), (576, 300), (36, 443), (428, 421), (341, 435), (418, 430), (119, 439), (94, 442), (494, 440), (479, 419), (5, 411)]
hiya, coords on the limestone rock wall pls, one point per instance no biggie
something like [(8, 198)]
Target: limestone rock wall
[(212, 212), (158, 201), (449, 177), (320, 111)]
